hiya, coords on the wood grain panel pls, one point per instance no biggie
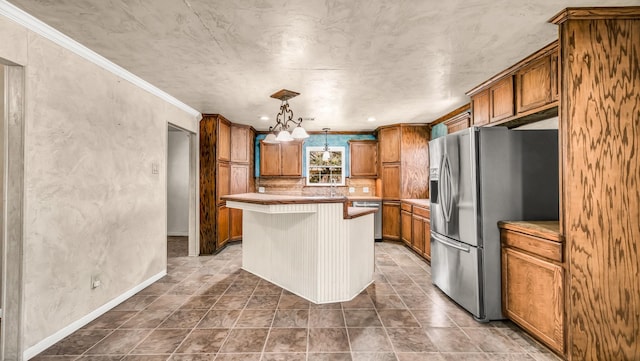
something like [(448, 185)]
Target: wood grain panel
[(533, 296), (391, 220), (269, 159), (207, 185), (405, 227), (223, 143), (363, 158), (223, 227), (389, 144), (291, 161), (240, 146), (480, 108), (391, 181), (502, 102), (223, 177), (239, 178), (600, 129), (415, 162), (533, 85)]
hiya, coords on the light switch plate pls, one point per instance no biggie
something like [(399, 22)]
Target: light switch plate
[(260, 189), (352, 189), (365, 189)]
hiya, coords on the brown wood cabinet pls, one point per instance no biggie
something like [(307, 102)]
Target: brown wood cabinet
[(281, 159), (391, 181), (533, 280), (226, 160), (480, 108), (363, 158), (391, 220), (421, 231), (459, 122), (525, 92), (390, 144), (405, 223)]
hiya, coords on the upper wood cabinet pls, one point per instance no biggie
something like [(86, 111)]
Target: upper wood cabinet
[(390, 143), (526, 92), (281, 159), (501, 99), (363, 158), (391, 181), (224, 139), (241, 141), (459, 122)]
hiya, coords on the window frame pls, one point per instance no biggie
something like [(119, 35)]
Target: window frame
[(341, 149)]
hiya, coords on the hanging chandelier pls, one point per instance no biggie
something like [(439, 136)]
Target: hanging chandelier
[(326, 155), (284, 121)]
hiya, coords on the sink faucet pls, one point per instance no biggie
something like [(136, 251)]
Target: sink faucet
[(332, 189)]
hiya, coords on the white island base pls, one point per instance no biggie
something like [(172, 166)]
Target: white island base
[(309, 249)]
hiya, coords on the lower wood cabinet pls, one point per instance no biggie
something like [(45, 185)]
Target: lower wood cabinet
[(223, 227), (533, 284), (391, 221), (416, 228), (235, 224)]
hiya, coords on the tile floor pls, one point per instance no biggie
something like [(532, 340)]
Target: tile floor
[(207, 308)]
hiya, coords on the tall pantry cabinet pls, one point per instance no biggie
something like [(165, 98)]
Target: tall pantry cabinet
[(226, 157), (404, 170)]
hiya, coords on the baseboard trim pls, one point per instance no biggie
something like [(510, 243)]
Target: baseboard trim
[(76, 325), (178, 234)]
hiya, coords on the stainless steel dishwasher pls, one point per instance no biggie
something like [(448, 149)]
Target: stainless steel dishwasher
[(377, 217)]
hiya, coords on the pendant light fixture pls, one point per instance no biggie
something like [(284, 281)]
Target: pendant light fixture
[(326, 155), (283, 120)]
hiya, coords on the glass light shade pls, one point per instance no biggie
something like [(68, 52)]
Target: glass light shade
[(326, 155), (299, 133), (270, 138), (284, 136)]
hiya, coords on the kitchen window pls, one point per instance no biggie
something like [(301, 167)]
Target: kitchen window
[(323, 173)]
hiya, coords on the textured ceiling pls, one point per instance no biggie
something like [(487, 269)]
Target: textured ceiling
[(397, 61)]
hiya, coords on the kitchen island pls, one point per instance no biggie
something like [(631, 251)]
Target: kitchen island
[(316, 247)]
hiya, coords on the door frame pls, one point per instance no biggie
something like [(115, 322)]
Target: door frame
[(13, 127), (194, 186)]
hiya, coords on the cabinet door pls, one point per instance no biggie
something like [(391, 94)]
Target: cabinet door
[(239, 178), (240, 147), (533, 296), (405, 227), (363, 160), (458, 123), (501, 95), (235, 224), (533, 85), (291, 159), (269, 159), (391, 181), (389, 144), (480, 108), (223, 227), (391, 220), (418, 234), (223, 180), (223, 143)]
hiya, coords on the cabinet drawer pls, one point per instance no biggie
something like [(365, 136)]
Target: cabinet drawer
[(406, 206), (535, 245), (422, 212)]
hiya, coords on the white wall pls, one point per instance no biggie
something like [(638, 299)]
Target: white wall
[(1, 180), (91, 203), (178, 184)]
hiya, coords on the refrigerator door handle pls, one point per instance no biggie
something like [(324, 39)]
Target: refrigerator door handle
[(447, 186), (448, 243)]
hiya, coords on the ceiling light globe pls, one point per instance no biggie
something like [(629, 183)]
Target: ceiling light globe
[(284, 136), (270, 138), (299, 133), (326, 155)]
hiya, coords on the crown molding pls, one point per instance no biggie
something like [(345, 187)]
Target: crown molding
[(21, 17)]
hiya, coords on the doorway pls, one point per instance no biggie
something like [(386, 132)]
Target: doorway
[(182, 192)]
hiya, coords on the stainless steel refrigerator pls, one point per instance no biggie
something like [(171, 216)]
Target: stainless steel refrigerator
[(479, 176)]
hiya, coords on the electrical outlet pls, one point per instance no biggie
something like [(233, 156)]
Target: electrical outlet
[(365, 189), (352, 189), (260, 189), (95, 281), (155, 168)]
